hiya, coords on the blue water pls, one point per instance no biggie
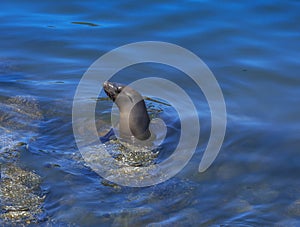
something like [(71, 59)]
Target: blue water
[(253, 50)]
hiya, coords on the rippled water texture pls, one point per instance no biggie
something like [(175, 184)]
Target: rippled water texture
[(253, 50)]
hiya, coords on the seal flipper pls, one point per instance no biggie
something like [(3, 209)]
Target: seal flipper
[(108, 136)]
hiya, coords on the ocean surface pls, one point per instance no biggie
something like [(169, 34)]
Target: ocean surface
[(253, 50)]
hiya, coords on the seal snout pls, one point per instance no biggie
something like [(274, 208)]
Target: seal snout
[(108, 86), (110, 89), (105, 84)]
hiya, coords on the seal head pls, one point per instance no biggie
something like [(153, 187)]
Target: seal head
[(134, 119)]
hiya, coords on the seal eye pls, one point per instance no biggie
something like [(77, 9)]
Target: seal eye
[(119, 89)]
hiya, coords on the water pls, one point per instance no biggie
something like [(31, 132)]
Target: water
[(252, 49)]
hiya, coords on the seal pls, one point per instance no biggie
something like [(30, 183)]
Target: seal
[(134, 118)]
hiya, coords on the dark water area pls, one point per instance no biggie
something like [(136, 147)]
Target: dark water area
[(253, 50)]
